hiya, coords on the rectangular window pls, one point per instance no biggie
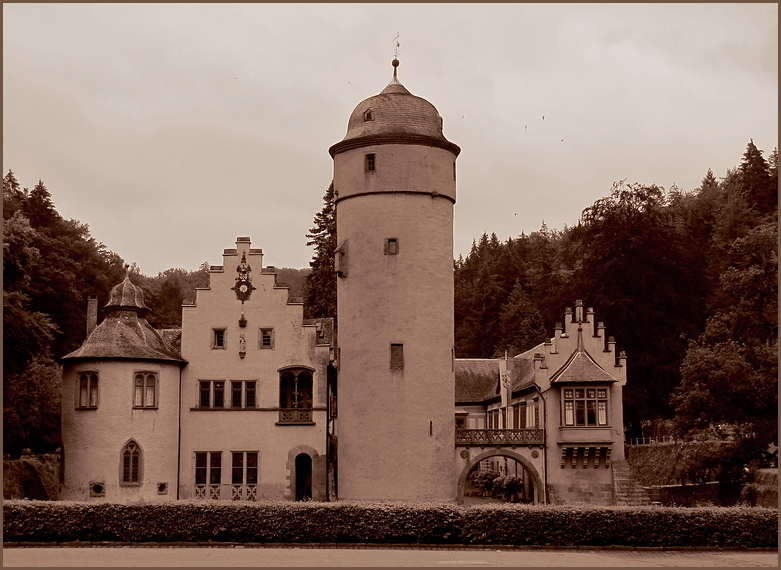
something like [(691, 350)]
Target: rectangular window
[(530, 415), (218, 338), (397, 356), (215, 467), (460, 422), (249, 396), (88, 390), (252, 468), (144, 393), (237, 471), (370, 165), (521, 423), (219, 394), (204, 400), (569, 413), (392, 246), (236, 394), (585, 406), (208, 468), (267, 338), (244, 468)]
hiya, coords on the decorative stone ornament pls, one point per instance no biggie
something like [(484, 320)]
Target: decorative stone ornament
[(243, 285)]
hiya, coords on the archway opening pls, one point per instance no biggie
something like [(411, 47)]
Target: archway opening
[(303, 477), (498, 479)]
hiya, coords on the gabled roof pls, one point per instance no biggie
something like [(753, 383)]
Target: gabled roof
[(581, 367)]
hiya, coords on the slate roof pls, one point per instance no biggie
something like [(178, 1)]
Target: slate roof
[(397, 116), (581, 367), (123, 334), (477, 379)]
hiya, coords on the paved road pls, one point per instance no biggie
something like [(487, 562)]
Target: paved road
[(375, 557)]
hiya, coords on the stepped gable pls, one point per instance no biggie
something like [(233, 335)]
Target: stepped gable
[(125, 332), (581, 367)]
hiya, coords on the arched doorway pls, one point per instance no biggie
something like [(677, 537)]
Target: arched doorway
[(303, 477), (499, 476)]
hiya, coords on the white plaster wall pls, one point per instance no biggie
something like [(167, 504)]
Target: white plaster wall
[(396, 432), (248, 430), (93, 439)]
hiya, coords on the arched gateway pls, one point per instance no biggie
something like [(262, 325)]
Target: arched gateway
[(471, 458)]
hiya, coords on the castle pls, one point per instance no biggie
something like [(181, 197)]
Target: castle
[(250, 401)]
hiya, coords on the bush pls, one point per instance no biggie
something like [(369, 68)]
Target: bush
[(385, 523)]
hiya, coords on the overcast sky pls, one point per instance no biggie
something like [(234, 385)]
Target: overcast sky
[(172, 129)]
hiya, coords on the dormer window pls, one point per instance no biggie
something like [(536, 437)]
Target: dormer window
[(367, 115)]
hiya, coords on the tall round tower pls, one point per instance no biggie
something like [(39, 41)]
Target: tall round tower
[(395, 187)]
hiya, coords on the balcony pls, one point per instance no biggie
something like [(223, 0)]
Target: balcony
[(295, 416), (497, 437)]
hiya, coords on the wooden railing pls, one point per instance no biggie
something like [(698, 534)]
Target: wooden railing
[(526, 436)]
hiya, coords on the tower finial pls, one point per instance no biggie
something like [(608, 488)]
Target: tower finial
[(395, 61)]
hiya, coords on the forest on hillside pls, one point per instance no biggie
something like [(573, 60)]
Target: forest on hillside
[(685, 281)]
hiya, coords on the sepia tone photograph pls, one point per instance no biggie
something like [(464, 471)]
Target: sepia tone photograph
[(390, 285)]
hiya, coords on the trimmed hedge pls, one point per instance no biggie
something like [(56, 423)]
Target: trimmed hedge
[(386, 523)]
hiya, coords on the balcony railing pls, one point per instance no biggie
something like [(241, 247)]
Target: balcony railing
[(226, 491), (295, 416), (511, 437)]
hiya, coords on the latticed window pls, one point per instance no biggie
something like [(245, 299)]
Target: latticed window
[(88, 390), (131, 463), (585, 406), (144, 395)]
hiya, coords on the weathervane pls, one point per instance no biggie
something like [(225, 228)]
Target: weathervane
[(396, 51)]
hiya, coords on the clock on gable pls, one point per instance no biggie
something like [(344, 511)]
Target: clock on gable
[(243, 286)]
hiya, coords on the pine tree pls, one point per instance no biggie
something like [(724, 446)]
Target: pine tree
[(520, 324), (756, 180), (320, 287)]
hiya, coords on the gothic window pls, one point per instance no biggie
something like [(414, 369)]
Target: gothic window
[(131, 464), (88, 390), (144, 390)]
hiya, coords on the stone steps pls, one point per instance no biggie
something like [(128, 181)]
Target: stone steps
[(626, 490)]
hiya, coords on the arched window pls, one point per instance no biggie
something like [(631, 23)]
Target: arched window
[(131, 464), (295, 389), (295, 397), (88, 390)]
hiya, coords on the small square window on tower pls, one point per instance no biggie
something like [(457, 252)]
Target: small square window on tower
[(391, 246), (218, 338), (367, 115), (370, 163), (267, 338), (397, 356)]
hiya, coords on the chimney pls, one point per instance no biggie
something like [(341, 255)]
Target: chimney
[(92, 313)]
